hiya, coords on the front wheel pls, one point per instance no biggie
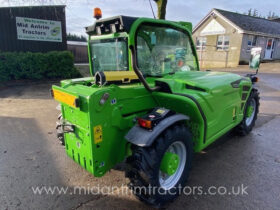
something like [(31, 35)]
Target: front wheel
[(157, 173), (250, 114)]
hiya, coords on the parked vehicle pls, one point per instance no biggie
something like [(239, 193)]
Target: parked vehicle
[(148, 105)]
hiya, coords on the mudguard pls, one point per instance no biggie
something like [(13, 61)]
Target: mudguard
[(144, 138)]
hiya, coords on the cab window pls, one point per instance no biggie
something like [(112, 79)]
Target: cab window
[(163, 50)]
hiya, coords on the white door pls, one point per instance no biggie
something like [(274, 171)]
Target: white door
[(269, 49)]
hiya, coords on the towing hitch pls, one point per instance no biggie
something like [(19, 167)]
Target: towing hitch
[(63, 127)]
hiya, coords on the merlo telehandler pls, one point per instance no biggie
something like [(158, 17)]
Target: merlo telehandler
[(148, 105)]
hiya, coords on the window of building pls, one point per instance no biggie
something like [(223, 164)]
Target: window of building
[(252, 42), (223, 43), (201, 43)]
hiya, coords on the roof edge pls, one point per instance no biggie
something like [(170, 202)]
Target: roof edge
[(203, 19), (240, 30), (261, 34)]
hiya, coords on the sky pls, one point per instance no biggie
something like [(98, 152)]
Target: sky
[(79, 13)]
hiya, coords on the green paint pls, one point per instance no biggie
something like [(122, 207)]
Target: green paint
[(169, 163), (212, 91), (250, 111)]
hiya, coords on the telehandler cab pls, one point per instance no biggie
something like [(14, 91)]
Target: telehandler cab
[(148, 105)]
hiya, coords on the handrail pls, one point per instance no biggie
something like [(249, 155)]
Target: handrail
[(138, 72)]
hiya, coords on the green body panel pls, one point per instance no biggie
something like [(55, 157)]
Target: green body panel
[(115, 117), (220, 102), (187, 25), (214, 101)]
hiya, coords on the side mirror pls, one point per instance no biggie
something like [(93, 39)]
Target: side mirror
[(255, 59)]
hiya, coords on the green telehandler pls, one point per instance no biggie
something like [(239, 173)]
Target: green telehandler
[(148, 105)]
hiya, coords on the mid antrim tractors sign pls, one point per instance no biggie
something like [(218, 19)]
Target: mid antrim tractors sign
[(38, 29)]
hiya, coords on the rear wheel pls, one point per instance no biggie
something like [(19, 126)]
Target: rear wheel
[(250, 114), (158, 172)]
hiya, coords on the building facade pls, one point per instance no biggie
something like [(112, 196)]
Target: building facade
[(33, 29), (79, 50), (224, 39)]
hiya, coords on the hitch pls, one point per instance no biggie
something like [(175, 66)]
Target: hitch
[(63, 127), (66, 128)]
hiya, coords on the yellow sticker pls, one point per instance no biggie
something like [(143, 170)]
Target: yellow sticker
[(160, 111), (64, 98), (97, 131)]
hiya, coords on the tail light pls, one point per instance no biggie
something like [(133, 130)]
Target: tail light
[(145, 123)]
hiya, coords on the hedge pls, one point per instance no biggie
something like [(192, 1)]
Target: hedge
[(34, 66)]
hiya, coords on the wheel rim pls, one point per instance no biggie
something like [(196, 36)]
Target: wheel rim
[(250, 113), (167, 182)]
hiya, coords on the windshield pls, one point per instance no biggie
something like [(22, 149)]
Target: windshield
[(109, 55), (164, 50)]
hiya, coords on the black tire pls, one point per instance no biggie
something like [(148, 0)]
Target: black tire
[(144, 167), (243, 128)]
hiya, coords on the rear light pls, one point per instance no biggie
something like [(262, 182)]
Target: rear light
[(145, 123), (152, 119)]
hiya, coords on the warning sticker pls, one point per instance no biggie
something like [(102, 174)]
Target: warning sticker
[(97, 130), (160, 111)]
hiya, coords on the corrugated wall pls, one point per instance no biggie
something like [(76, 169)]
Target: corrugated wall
[(8, 29), (80, 52)]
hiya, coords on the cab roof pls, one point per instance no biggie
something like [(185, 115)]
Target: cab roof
[(104, 26)]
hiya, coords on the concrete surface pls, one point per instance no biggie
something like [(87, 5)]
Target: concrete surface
[(30, 156)]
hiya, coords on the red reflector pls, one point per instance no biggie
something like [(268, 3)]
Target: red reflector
[(144, 123)]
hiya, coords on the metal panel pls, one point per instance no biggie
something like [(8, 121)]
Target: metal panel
[(8, 29), (80, 52)]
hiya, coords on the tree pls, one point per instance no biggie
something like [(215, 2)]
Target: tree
[(161, 8), (74, 37), (255, 13), (272, 15), (250, 12)]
